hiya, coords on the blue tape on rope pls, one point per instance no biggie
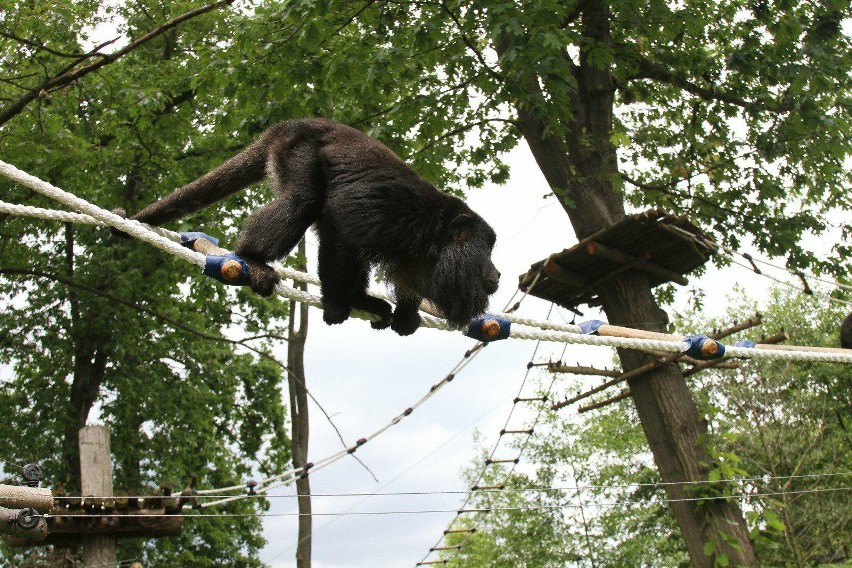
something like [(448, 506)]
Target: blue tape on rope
[(703, 347), (488, 328), (186, 239), (591, 326), (745, 343), (213, 267)]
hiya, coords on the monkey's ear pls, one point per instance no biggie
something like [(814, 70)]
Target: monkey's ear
[(462, 228)]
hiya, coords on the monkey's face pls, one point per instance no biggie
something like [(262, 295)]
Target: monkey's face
[(463, 277)]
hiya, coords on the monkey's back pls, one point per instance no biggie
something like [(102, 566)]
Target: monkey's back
[(375, 201)]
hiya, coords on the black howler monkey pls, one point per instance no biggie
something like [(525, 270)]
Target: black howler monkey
[(368, 208)]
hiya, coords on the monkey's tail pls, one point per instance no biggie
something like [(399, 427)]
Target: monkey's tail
[(240, 171)]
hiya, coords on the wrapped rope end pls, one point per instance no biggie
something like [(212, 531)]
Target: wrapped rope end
[(227, 268), (231, 270), (591, 327), (488, 328), (701, 347), (188, 238)]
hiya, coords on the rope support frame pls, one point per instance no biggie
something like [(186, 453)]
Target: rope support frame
[(166, 240)]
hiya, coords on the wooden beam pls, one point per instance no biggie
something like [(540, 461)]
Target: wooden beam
[(597, 249), (581, 370), (699, 366), (651, 365), (10, 524), (144, 522), (20, 497), (556, 272)]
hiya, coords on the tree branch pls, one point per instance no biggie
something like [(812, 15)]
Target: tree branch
[(464, 128), (70, 75), (573, 14), (656, 71), (141, 309), (41, 47), (467, 41), (177, 325)]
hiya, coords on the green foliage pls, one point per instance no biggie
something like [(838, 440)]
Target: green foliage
[(782, 425), (778, 442), (734, 113), (118, 332)]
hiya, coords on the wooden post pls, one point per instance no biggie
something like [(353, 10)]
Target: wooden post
[(299, 420), (96, 481)]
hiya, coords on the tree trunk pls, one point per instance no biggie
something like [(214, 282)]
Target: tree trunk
[(299, 418), (90, 361), (581, 167)]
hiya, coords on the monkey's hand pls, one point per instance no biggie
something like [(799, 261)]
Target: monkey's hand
[(262, 278), (334, 313)]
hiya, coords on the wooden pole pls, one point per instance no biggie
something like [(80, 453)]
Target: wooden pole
[(96, 481), (299, 420)]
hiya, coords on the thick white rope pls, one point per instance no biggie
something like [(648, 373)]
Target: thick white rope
[(529, 329), (132, 228)]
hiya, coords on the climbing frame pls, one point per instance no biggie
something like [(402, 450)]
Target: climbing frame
[(663, 246)]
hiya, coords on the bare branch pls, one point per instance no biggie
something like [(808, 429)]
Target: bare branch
[(462, 129), (70, 75)]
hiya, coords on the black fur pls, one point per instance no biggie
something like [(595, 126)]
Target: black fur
[(846, 332), (368, 208)]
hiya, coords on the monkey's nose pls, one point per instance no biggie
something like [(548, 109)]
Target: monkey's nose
[(492, 282)]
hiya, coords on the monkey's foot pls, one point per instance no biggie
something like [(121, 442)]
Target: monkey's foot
[(334, 313), (405, 323), (262, 278), (378, 307)]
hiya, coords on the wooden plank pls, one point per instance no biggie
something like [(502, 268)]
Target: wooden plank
[(598, 249)]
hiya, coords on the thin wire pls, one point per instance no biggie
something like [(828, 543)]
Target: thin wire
[(468, 356), (11, 463), (400, 474), (810, 276), (794, 285), (564, 488), (483, 510), (470, 492)]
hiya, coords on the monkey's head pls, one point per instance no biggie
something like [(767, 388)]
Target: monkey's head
[(463, 275)]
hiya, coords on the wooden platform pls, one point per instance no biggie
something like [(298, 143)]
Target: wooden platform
[(665, 247)]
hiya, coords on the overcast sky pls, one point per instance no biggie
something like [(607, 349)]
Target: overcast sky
[(364, 378)]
